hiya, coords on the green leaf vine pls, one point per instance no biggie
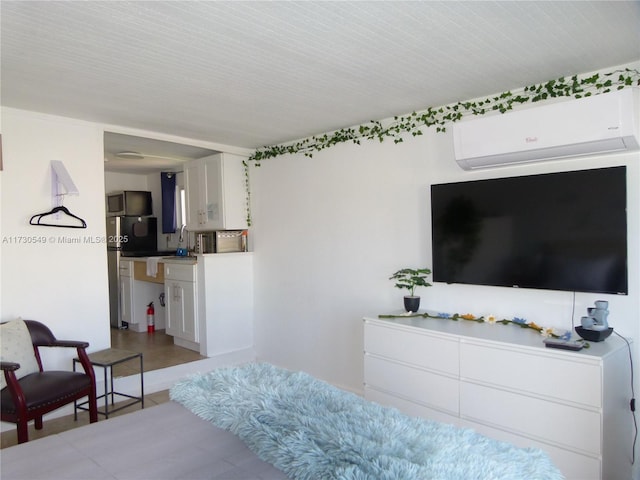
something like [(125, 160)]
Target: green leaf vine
[(414, 123)]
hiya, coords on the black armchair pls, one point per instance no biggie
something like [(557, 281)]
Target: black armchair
[(29, 397)]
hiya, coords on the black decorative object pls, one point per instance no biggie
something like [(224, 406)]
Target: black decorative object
[(594, 335), (411, 304), (595, 327)]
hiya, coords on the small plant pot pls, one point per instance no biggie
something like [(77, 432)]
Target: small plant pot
[(411, 304)]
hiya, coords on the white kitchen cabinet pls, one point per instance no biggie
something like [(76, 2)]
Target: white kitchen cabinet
[(181, 304), (502, 382), (225, 283), (215, 193)]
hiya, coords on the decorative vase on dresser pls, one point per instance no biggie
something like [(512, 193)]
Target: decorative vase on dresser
[(411, 303), (502, 382)]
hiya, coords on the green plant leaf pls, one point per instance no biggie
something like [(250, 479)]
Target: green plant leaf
[(439, 116)]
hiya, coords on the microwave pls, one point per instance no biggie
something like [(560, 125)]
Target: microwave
[(129, 203), (221, 241)]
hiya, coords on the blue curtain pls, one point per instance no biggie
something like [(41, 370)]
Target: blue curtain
[(168, 183)]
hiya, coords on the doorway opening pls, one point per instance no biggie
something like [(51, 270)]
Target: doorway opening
[(135, 163)]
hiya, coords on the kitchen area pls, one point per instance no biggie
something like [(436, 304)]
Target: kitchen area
[(178, 252)]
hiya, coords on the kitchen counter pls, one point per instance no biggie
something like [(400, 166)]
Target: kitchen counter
[(162, 258), (182, 260), (140, 267)]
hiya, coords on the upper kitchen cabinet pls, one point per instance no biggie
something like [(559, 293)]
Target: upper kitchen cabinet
[(215, 193)]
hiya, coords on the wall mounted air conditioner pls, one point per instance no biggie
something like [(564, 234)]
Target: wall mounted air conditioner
[(591, 125)]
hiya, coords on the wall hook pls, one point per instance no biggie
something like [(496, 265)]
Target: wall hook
[(60, 178)]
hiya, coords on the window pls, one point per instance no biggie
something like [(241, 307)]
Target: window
[(181, 207)]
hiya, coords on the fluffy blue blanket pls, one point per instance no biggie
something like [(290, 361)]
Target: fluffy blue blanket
[(311, 430)]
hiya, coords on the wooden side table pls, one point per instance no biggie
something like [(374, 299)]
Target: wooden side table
[(107, 359)]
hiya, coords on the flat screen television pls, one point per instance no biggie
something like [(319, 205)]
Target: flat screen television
[(557, 231)]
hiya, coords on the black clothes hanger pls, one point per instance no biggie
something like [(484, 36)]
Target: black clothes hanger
[(36, 219)]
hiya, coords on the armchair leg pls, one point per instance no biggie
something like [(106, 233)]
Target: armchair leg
[(93, 406), (38, 422), (23, 432)]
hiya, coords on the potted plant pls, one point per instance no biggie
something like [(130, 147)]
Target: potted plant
[(410, 278)]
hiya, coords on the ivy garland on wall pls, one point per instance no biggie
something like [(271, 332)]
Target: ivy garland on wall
[(413, 123)]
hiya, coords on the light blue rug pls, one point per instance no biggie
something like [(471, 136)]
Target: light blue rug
[(312, 430)]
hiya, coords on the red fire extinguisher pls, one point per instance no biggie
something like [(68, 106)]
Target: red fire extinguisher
[(151, 318)]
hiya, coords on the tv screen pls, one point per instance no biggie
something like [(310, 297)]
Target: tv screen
[(556, 231)]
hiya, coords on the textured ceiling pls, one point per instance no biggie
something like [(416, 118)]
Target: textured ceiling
[(251, 74)]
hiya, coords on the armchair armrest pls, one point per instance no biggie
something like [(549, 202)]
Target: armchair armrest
[(68, 343), (9, 366)]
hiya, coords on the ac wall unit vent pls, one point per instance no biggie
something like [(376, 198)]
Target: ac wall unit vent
[(586, 126)]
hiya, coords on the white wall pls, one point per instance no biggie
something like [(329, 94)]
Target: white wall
[(329, 231), (44, 276), (116, 181)]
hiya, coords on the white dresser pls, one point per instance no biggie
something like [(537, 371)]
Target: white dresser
[(503, 382)]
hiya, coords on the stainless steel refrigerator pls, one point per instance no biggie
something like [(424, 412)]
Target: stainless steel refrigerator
[(127, 237)]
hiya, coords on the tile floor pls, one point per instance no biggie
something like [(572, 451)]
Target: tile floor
[(158, 352)]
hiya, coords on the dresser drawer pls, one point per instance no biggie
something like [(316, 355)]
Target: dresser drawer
[(574, 466), (547, 375), (432, 352), (408, 407), (414, 384), (539, 419)]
